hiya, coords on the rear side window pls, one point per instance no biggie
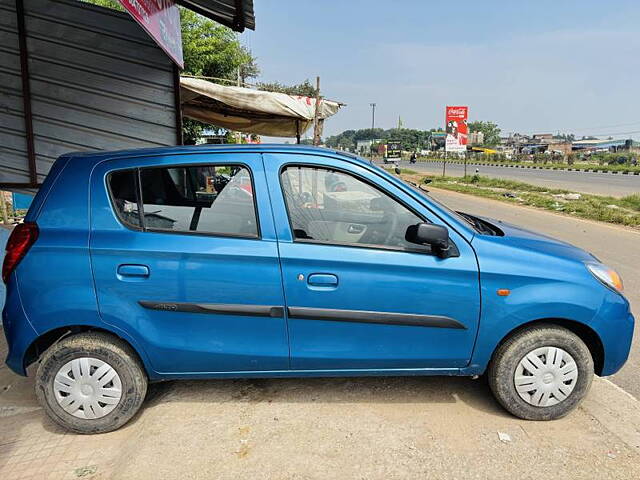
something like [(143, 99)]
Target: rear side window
[(123, 186), (207, 199)]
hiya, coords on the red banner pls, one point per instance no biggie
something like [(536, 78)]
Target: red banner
[(457, 130), (161, 20)]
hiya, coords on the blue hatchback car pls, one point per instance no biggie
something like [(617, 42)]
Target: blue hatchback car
[(271, 261)]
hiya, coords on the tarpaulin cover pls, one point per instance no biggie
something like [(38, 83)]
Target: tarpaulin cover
[(251, 111)]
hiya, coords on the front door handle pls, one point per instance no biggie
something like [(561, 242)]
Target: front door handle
[(130, 270), (322, 280)]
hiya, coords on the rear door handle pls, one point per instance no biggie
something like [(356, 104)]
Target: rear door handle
[(322, 280), (130, 270)]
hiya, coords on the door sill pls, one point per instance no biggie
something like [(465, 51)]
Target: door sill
[(357, 372)]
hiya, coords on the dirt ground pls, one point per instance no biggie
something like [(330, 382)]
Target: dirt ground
[(365, 428)]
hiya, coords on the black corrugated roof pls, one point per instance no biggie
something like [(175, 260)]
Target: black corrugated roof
[(236, 14)]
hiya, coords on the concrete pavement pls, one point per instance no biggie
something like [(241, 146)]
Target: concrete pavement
[(615, 185), (367, 428)]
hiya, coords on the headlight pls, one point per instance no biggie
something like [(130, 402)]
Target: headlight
[(606, 275)]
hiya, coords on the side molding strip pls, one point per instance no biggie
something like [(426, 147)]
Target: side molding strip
[(216, 308), (364, 316), (304, 313)]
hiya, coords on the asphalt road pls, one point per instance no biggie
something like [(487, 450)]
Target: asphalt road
[(615, 185), (613, 245)]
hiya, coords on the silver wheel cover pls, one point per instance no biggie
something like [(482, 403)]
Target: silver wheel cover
[(87, 388), (546, 376)]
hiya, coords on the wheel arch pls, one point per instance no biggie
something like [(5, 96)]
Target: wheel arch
[(588, 335), (44, 341)]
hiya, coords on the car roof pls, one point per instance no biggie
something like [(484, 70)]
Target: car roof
[(96, 157)]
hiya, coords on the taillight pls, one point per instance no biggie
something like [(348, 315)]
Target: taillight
[(23, 236)]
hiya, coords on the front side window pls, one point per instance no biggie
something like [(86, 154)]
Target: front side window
[(211, 199), (330, 206)]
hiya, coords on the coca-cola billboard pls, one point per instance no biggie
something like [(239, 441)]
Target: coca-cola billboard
[(161, 20), (457, 130)]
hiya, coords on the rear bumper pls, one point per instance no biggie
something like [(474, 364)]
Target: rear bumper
[(18, 331)]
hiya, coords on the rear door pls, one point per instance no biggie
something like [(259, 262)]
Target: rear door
[(359, 296), (185, 259)]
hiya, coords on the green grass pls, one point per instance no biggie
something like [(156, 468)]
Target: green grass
[(623, 211), (553, 166)]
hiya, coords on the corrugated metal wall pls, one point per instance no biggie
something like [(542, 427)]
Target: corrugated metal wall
[(98, 82)]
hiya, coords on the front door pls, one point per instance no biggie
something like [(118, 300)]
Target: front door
[(359, 296), (185, 260)]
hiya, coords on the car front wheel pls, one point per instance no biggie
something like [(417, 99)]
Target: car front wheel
[(541, 373), (90, 383)]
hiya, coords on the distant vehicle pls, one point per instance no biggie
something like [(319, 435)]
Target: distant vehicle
[(279, 261)]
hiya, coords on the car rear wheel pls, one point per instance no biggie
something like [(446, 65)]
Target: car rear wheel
[(90, 383), (541, 373)]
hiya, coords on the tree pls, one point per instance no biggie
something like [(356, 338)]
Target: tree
[(409, 138), (213, 50), (565, 137), (305, 88), (114, 4), (210, 50), (489, 129)]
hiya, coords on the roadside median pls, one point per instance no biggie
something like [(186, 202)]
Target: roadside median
[(622, 211), (577, 167)]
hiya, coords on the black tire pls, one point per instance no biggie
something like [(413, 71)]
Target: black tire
[(506, 358), (108, 348)]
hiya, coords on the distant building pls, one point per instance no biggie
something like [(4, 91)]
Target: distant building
[(437, 140), (597, 145), (364, 146), (542, 138), (476, 138)]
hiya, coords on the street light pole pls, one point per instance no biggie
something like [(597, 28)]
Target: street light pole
[(373, 124)]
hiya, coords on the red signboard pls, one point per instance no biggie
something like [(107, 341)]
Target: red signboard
[(457, 130), (161, 20)]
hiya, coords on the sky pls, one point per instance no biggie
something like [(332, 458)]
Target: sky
[(530, 66)]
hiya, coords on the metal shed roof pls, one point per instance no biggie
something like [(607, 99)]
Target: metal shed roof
[(236, 14)]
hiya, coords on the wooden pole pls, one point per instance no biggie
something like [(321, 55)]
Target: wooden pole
[(373, 125), (316, 117), (239, 83), (3, 206)]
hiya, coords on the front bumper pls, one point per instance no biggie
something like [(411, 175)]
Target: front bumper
[(617, 344)]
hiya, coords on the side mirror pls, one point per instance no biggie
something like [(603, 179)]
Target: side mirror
[(436, 236), (397, 170)]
